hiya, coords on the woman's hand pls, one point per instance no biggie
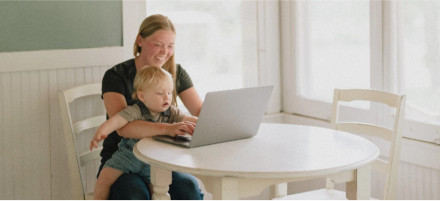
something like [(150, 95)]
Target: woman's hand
[(181, 128)]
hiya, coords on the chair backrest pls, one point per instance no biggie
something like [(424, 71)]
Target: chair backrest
[(394, 136), (73, 129)]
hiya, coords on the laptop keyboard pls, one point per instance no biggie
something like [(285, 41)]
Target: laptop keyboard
[(183, 138)]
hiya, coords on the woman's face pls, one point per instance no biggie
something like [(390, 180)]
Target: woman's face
[(157, 48)]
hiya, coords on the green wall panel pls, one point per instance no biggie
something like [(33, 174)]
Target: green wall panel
[(46, 25)]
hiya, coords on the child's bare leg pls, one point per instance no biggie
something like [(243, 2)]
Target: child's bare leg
[(106, 179), (150, 188)]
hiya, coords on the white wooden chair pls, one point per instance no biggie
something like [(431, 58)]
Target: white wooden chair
[(72, 130), (387, 168)]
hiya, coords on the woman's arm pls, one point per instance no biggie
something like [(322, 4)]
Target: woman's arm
[(115, 102), (191, 100), (190, 119)]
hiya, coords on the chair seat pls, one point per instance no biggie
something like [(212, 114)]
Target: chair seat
[(321, 194)]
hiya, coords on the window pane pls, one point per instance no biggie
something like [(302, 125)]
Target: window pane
[(208, 41), (336, 45), (422, 59)]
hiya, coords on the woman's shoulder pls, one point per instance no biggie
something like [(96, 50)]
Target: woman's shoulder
[(183, 79), (181, 72), (179, 69), (126, 67), (178, 66)]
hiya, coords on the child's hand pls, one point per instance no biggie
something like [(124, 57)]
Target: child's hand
[(181, 128), (98, 137)]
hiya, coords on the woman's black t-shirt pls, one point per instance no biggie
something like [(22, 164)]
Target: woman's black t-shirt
[(120, 79)]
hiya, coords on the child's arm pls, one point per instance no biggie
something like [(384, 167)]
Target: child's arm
[(112, 124)]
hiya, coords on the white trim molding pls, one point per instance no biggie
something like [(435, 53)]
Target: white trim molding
[(56, 59)]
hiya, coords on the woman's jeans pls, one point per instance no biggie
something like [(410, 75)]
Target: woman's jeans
[(132, 187)]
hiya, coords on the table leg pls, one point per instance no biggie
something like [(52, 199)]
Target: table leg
[(278, 190), (225, 188), (161, 179), (360, 187)]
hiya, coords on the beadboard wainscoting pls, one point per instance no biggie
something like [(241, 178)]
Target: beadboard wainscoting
[(33, 159)]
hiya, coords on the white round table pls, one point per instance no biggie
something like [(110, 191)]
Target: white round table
[(278, 153)]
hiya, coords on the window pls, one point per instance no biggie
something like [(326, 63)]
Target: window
[(337, 48), (208, 41), (332, 50), (422, 60)]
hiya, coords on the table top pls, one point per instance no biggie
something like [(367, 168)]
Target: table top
[(277, 151)]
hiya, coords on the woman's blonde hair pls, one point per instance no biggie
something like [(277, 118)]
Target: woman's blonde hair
[(149, 26), (151, 76)]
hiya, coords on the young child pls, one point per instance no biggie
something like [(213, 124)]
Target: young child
[(153, 87)]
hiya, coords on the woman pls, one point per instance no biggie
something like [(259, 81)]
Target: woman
[(154, 45)]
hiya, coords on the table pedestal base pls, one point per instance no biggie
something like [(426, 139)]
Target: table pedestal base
[(161, 180)]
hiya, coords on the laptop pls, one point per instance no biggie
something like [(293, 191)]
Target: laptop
[(226, 116)]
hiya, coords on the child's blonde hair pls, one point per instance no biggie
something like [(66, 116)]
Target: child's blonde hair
[(151, 76)]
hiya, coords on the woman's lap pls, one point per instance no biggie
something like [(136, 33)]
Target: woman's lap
[(129, 187), (132, 187), (182, 184)]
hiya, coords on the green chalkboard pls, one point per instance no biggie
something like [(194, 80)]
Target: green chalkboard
[(47, 25)]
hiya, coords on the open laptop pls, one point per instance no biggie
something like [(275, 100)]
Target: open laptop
[(226, 116)]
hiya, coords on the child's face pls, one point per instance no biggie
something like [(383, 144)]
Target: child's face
[(157, 99)]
